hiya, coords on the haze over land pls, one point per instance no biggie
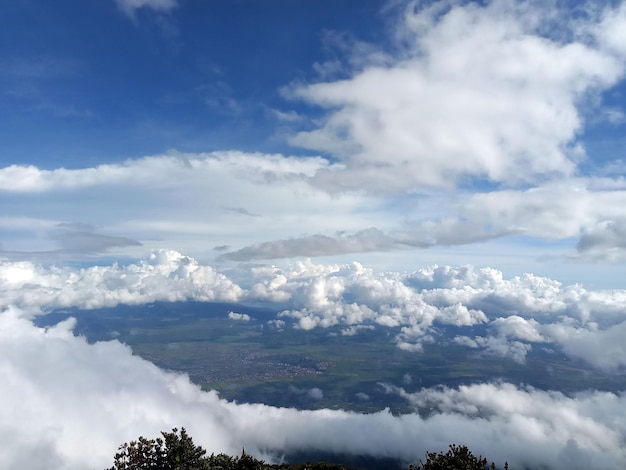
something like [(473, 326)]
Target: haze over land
[(447, 174)]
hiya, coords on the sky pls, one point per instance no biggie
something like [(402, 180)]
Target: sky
[(403, 164)]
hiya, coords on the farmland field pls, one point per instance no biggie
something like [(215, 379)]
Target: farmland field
[(254, 361)]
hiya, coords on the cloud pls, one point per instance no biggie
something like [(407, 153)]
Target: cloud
[(238, 316), (75, 241), (514, 315), (82, 238), (129, 7), (157, 171), (532, 414), (473, 92), (314, 393), (316, 245), (518, 327), (55, 386), (241, 211), (587, 209), (606, 240), (558, 210), (604, 348), (519, 312), (182, 201), (186, 201), (164, 276), (501, 347)]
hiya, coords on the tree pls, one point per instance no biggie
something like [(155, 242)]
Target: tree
[(174, 451), (457, 458)]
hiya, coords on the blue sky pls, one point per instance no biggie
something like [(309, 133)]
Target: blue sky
[(394, 133), (86, 83)]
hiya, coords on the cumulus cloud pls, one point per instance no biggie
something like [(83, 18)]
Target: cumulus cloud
[(514, 315), (238, 316), (602, 347), (164, 276), (491, 91), (55, 386), (44, 372), (519, 312)]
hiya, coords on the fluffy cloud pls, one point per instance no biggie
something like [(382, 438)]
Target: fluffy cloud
[(518, 312), (514, 314), (238, 316), (165, 276), (489, 91), (55, 386), (533, 415), (45, 371)]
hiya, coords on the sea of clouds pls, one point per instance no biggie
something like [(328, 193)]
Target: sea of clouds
[(68, 404), (511, 82)]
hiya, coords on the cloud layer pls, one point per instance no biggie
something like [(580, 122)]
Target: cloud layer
[(516, 314), (178, 200), (68, 405)]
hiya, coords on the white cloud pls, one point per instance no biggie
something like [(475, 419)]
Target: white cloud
[(606, 240), (45, 371), (188, 202), (183, 201), (55, 386), (164, 171), (517, 312), (165, 276), (610, 30), (604, 348), (557, 210), (355, 330), (532, 414), (130, 6), (501, 347), (519, 328), (477, 91), (520, 311), (238, 316)]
